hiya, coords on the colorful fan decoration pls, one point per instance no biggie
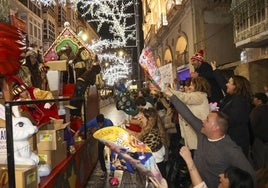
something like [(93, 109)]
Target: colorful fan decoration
[(135, 153), (12, 48)]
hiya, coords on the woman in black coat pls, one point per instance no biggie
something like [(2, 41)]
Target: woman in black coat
[(236, 105)]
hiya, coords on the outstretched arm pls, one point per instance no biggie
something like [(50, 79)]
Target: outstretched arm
[(184, 111)]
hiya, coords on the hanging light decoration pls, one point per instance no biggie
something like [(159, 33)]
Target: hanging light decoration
[(74, 2), (102, 12), (50, 2)]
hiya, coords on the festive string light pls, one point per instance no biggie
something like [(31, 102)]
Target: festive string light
[(113, 13)]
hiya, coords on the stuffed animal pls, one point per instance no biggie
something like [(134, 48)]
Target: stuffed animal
[(22, 130)]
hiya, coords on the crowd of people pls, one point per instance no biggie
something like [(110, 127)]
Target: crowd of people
[(195, 142)]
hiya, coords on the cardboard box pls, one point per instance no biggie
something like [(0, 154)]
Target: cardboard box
[(53, 157), (50, 136), (26, 176), (60, 65), (53, 78), (33, 143), (3, 177)]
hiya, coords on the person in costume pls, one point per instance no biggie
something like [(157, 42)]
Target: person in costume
[(80, 62), (86, 79), (66, 53), (39, 113), (36, 69)]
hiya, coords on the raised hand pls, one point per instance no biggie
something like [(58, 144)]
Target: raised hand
[(213, 65)]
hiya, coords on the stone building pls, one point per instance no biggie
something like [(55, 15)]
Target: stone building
[(176, 29), (251, 35), (44, 24), (4, 10)]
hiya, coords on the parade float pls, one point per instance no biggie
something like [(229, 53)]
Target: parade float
[(75, 169), (45, 144)]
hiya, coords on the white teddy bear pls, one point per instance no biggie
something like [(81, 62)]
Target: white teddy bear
[(22, 130)]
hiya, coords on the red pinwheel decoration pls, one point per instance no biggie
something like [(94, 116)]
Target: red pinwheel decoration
[(12, 48)]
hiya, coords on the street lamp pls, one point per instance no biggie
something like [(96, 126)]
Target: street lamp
[(82, 34)]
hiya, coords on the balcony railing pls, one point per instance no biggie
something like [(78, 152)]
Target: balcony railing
[(250, 19)]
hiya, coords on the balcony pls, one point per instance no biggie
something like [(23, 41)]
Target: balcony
[(250, 23)]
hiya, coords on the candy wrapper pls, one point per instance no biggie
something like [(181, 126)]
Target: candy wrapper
[(149, 66), (135, 154)]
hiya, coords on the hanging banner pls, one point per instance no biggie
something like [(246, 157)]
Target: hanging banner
[(166, 74)]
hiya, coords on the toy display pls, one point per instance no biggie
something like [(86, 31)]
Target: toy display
[(22, 130)]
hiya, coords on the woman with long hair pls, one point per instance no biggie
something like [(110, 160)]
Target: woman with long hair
[(236, 105), (153, 134)]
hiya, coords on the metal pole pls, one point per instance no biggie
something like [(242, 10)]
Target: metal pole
[(138, 39), (10, 147)]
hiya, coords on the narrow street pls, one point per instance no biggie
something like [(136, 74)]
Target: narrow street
[(129, 180)]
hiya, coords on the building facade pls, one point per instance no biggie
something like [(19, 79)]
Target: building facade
[(44, 24), (251, 35), (176, 29)]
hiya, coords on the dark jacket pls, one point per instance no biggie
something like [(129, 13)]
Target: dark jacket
[(258, 121), (205, 71), (237, 108)]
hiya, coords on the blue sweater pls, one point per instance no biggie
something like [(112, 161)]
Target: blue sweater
[(94, 123)]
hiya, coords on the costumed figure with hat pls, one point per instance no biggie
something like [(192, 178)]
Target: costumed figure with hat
[(34, 72), (66, 53), (80, 62), (86, 79), (203, 69)]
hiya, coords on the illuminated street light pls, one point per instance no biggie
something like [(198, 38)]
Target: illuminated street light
[(83, 35), (121, 53)]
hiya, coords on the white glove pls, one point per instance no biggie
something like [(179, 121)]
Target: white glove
[(213, 65), (47, 106)]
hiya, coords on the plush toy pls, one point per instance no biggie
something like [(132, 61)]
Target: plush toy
[(22, 130)]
